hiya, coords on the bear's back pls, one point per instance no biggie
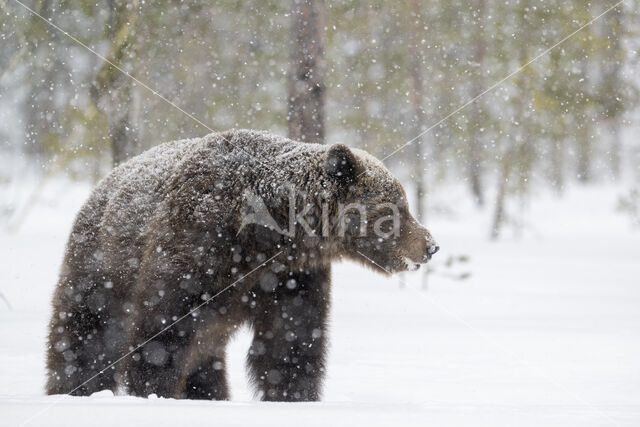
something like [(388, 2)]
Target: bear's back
[(127, 199), (130, 196)]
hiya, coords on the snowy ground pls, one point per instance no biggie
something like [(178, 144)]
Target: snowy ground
[(545, 332)]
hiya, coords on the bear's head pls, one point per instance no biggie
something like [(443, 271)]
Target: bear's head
[(373, 224)]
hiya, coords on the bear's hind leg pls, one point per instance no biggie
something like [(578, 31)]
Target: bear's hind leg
[(186, 360), (204, 374), (84, 339), (154, 368), (208, 381), (286, 360), (85, 333)]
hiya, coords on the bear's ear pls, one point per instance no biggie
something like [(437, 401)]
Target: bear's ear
[(341, 164)]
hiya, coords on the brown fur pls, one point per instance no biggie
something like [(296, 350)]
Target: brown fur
[(164, 232)]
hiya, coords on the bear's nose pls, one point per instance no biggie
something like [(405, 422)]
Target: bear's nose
[(431, 250)]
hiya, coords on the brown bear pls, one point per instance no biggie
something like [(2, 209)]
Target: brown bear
[(181, 245)]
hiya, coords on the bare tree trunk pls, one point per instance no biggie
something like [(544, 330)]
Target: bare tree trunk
[(36, 121), (614, 27), (616, 148), (513, 154), (111, 90), (123, 145), (418, 113), (584, 151), (474, 158), (306, 71), (39, 108), (499, 208), (557, 164)]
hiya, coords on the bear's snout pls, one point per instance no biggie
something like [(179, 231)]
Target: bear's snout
[(419, 248), (430, 251)]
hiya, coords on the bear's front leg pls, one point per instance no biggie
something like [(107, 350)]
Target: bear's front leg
[(208, 380), (155, 368), (204, 370), (187, 360), (164, 327), (287, 357)]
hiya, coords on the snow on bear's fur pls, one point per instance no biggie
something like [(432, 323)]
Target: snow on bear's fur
[(184, 243)]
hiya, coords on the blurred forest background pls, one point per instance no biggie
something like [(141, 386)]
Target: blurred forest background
[(374, 74)]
